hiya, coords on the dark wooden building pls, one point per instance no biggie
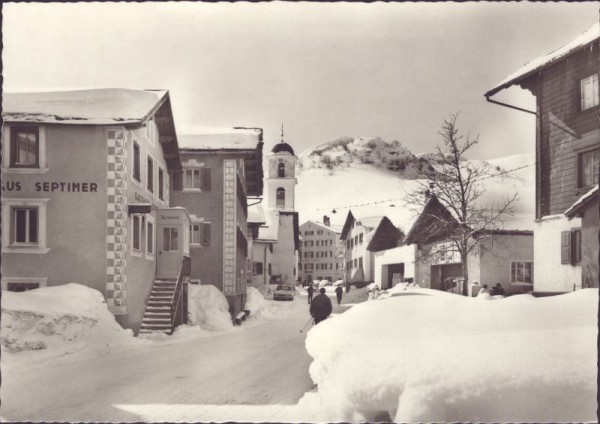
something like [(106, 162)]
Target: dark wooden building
[(565, 85)]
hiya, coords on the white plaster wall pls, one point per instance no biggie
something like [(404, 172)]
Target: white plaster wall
[(402, 254), (549, 275)]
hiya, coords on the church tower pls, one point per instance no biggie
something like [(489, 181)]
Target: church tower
[(281, 180)]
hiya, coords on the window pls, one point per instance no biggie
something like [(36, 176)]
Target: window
[(588, 165), (348, 244), (570, 247), (136, 162), (354, 263), (136, 233), (257, 268), (161, 183), (25, 225), (24, 149), (360, 262), (281, 169), (280, 202), (521, 272), (170, 239), (360, 238), (589, 92), (21, 287), (197, 179), (27, 232), (150, 174), (150, 238), (191, 179), (195, 234)]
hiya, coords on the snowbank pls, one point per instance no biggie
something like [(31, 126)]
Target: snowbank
[(54, 321), (435, 356), (208, 308), (257, 304)]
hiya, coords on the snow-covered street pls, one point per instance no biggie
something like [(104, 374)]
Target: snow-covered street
[(228, 376)]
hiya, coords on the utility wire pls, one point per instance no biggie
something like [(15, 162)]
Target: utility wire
[(391, 200)]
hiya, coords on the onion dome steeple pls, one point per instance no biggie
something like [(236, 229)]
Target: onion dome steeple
[(282, 146)]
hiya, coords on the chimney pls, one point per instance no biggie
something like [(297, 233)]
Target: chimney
[(326, 220)]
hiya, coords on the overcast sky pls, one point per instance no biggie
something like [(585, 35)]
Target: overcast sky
[(324, 70)]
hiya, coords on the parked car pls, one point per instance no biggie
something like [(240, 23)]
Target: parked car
[(283, 293)]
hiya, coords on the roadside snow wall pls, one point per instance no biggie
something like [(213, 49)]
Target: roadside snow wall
[(208, 308), (421, 355), (58, 320)]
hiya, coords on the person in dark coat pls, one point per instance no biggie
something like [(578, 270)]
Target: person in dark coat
[(498, 290), (310, 291), (338, 292), (320, 308)]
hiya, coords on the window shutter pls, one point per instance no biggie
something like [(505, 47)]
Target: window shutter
[(565, 253), (177, 182), (206, 179), (205, 234), (576, 246)]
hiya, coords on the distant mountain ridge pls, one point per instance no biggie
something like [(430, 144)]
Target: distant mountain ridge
[(344, 151), (349, 172)]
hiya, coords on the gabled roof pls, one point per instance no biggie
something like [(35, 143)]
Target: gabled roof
[(582, 41), (99, 106), (246, 141), (385, 236), (256, 214), (582, 202), (214, 138), (321, 225), (433, 224), (347, 225)]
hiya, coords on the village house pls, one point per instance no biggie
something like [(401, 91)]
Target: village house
[(275, 248), (565, 85), (221, 170), (320, 256), (86, 199), (358, 261), (426, 255)]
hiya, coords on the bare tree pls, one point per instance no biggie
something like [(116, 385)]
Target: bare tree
[(457, 183)]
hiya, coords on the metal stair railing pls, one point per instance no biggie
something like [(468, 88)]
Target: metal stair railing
[(179, 307)]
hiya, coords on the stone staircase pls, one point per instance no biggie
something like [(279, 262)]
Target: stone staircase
[(157, 315)]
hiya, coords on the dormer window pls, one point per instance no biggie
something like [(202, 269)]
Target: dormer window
[(590, 93), (281, 169)]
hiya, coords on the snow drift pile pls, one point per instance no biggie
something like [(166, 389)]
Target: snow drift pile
[(58, 320), (434, 356), (208, 308)]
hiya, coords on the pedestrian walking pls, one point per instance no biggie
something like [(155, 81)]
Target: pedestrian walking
[(310, 291), (338, 292), (320, 308)]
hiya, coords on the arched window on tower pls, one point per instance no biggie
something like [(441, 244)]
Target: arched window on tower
[(281, 169), (280, 197)]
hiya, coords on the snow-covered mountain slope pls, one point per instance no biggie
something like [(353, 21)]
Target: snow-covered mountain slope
[(369, 175)]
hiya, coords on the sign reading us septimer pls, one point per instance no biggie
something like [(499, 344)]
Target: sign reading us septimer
[(51, 186)]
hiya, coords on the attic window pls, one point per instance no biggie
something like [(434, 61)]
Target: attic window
[(590, 94)]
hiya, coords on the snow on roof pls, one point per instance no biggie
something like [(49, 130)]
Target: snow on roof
[(271, 230), (582, 201), (585, 38), (335, 228), (215, 138), (101, 106), (402, 216), (256, 214)]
